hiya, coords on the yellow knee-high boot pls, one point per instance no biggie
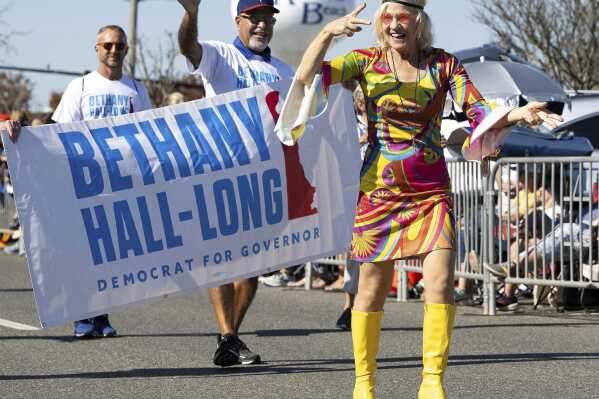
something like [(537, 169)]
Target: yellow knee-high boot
[(436, 336), (365, 332)]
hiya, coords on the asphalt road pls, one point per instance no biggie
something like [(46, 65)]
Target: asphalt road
[(164, 351)]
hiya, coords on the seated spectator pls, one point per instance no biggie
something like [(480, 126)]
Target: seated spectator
[(175, 98), (532, 208)]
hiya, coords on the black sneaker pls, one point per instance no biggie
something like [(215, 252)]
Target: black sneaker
[(246, 356), (507, 303), (102, 326), (344, 321), (83, 328), (231, 351)]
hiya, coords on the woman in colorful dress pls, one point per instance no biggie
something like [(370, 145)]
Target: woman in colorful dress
[(404, 207)]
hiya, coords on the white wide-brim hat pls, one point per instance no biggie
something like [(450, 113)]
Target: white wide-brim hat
[(410, 3)]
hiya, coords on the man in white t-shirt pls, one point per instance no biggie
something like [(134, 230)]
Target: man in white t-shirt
[(103, 93), (226, 67)]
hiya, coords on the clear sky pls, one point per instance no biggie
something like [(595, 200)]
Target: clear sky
[(61, 33)]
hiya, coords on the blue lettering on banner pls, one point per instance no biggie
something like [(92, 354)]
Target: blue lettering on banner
[(202, 153), (125, 231), (208, 232), (172, 239), (238, 202), (127, 238), (128, 279), (270, 244), (273, 199), (176, 267), (87, 173), (81, 159), (227, 131), (129, 132), (111, 157), (141, 276), (152, 244), (226, 207), (98, 234), (164, 147), (253, 124), (249, 196)]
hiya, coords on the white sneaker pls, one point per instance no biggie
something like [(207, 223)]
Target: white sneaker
[(275, 280)]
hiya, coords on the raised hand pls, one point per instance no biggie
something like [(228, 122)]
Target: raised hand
[(533, 114), (349, 24), (190, 5)]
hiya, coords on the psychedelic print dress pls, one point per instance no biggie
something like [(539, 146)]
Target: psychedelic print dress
[(404, 206)]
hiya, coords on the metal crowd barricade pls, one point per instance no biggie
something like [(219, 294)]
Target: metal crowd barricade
[(543, 219), (338, 260), (532, 221)]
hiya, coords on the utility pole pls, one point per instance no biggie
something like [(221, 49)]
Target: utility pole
[(132, 37)]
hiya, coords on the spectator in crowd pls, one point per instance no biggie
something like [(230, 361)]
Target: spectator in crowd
[(281, 278), (530, 198), (226, 67), (175, 97), (20, 117), (120, 95)]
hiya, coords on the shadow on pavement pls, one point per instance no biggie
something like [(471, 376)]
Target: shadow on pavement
[(299, 332), (308, 366)]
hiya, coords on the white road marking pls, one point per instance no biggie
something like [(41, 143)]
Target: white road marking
[(17, 326)]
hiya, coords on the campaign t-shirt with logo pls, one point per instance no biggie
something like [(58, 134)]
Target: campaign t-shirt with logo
[(94, 97), (225, 68)]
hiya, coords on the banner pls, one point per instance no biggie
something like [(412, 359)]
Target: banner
[(122, 210)]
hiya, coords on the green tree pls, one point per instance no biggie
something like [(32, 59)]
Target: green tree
[(561, 37)]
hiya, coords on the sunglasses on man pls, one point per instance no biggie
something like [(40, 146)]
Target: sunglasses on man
[(109, 45), (256, 19)]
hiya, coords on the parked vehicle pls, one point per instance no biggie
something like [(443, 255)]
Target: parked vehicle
[(581, 103)]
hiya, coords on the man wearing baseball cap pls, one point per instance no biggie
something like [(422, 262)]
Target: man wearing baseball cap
[(226, 67)]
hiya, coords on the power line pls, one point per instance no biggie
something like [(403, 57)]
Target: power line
[(72, 73), (39, 70)]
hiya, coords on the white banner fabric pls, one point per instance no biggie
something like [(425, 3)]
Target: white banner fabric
[(123, 210)]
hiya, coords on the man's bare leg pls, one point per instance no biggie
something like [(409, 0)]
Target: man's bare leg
[(245, 291), (223, 300)]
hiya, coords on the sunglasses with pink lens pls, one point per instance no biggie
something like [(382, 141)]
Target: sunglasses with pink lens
[(403, 19)]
